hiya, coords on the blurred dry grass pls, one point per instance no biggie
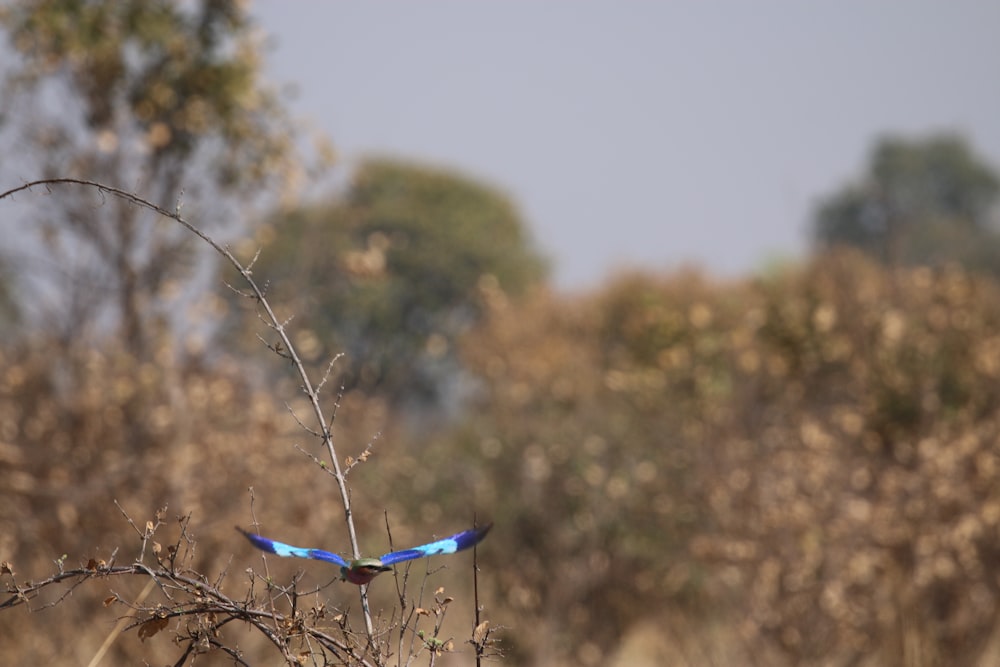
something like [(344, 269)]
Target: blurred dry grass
[(799, 469)]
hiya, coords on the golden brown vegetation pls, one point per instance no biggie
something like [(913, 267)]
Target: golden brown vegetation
[(808, 461), (810, 456)]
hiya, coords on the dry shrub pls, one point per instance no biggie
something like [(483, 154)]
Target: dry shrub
[(857, 499), (584, 444), (84, 428), (812, 456)]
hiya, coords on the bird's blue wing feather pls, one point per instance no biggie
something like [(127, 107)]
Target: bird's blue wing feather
[(285, 550), (448, 545)]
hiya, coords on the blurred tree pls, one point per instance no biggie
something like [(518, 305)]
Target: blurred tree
[(584, 445), (157, 96), (10, 312), (392, 272), (920, 202), (855, 485)]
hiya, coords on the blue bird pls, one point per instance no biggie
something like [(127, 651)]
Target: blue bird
[(363, 570)]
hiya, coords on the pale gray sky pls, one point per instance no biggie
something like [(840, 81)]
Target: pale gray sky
[(643, 133)]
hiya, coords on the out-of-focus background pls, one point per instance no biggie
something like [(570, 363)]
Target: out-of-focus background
[(698, 303), (650, 133)]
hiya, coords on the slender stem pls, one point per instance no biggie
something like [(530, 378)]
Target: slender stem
[(475, 594)]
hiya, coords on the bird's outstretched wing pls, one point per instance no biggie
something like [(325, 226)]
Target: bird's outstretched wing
[(282, 549), (448, 545)]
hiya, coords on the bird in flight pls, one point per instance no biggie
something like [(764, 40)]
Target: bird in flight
[(363, 570)]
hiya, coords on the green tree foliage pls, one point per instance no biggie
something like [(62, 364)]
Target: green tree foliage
[(920, 202), (392, 271), (159, 97)]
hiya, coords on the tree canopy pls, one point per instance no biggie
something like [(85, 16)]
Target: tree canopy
[(924, 201), (159, 97), (395, 268)]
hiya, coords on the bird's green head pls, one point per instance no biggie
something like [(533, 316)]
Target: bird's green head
[(363, 570)]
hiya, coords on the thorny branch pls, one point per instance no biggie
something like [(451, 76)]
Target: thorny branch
[(202, 602)]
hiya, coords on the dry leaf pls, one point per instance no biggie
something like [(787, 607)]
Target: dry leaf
[(151, 627), (480, 634), (91, 564), (108, 601), (5, 568), (439, 591), (157, 548), (149, 527), (420, 611)]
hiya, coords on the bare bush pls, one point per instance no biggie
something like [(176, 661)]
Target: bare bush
[(190, 436)]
